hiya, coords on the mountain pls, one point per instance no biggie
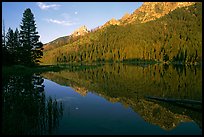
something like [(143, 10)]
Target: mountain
[(56, 43), (66, 39), (125, 17), (147, 12), (80, 31), (174, 34), (154, 10), (113, 21)]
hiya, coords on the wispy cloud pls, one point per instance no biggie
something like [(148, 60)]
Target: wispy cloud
[(61, 22), (44, 6)]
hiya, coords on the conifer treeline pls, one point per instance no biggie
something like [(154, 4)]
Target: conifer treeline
[(176, 37), (22, 47)]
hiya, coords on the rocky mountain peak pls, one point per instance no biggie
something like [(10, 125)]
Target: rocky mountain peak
[(159, 7), (113, 21), (80, 31), (125, 16), (153, 10)]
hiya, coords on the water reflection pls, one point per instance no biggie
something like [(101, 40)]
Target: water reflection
[(25, 108), (129, 84)]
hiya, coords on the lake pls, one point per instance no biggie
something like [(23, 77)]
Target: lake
[(108, 99)]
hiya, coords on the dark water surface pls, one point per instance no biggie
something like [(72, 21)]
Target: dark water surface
[(109, 99)]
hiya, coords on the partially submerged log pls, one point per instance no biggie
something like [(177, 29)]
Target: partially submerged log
[(176, 100), (193, 104)]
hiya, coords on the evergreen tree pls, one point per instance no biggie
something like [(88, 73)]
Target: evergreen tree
[(3, 36), (17, 50), (10, 46), (4, 49), (29, 38)]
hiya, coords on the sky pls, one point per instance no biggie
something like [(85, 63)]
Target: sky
[(57, 19)]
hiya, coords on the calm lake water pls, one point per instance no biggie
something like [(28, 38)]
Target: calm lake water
[(108, 99)]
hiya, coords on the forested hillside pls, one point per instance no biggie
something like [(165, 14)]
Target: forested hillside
[(175, 37)]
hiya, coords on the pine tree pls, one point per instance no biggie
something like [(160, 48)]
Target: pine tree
[(17, 50), (4, 49), (10, 46), (29, 38), (3, 36)]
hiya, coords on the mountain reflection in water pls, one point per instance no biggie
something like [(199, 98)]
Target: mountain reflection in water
[(108, 99), (129, 84)]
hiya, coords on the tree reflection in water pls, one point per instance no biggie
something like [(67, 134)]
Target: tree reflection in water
[(25, 108), (129, 84)]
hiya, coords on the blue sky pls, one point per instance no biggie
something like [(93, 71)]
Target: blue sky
[(56, 19)]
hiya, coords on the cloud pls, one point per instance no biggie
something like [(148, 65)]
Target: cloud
[(61, 22), (43, 6)]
